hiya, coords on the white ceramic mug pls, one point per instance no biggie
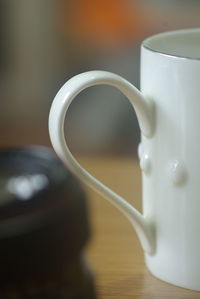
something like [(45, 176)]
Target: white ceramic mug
[(168, 111)]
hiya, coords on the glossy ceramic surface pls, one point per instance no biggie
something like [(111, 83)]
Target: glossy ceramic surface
[(167, 108)]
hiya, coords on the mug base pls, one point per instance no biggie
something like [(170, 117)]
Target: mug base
[(179, 284)]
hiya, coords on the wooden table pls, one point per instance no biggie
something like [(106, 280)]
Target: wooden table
[(114, 252)]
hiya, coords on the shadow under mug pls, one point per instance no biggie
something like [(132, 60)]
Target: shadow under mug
[(168, 112)]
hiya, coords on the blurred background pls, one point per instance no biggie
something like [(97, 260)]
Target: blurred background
[(44, 43)]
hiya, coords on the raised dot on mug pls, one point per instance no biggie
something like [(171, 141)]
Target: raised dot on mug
[(145, 163), (178, 173)]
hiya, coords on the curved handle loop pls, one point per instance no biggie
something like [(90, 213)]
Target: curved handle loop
[(143, 111)]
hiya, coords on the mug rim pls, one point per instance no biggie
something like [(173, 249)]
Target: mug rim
[(146, 44)]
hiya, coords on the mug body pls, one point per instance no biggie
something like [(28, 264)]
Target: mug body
[(170, 77)]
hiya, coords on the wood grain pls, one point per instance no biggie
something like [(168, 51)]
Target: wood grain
[(114, 252)]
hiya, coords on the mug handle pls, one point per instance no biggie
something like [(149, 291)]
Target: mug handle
[(144, 112)]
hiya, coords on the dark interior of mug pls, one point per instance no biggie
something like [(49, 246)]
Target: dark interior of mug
[(181, 43)]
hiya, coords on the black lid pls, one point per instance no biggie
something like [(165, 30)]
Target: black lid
[(31, 182), (43, 212), (28, 178)]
